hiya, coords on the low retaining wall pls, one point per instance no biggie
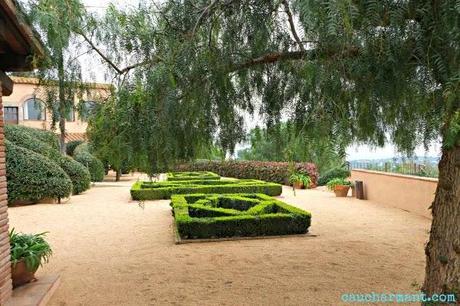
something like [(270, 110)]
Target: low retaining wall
[(411, 193)]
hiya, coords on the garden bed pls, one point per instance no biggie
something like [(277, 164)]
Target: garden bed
[(164, 190), (207, 216), (196, 175)]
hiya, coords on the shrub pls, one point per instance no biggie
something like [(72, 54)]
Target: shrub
[(94, 165), (337, 182), (47, 137), (210, 216), (78, 174), (333, 173), (164, 190), (32, 176), (277, 172), (71, 145), (187, 176)]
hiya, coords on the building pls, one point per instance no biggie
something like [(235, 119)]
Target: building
[(18, 45), (26, 106)]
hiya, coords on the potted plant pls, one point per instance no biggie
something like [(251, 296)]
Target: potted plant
[(340, 186), (299, 180), (28, 253)]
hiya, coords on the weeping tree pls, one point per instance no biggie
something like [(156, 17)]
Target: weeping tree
[(371, 71), (60, 80)]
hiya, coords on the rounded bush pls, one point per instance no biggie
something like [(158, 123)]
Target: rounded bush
[(78, 174), (94, 165), (71, 145), (47, 137), (332, 174), (32, 176)]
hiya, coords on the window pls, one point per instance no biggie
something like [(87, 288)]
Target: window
[(10, 114), (87, 109), (34, 109), (70, 115)]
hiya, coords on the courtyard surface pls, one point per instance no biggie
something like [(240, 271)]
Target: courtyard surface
[(110, 250)]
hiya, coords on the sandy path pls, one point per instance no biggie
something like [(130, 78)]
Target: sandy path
[(110, 251)]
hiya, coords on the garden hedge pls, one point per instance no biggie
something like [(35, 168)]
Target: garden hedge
[(78, 174), (163, 190), (277, 172), (32, 176), (197, 175), (94, 165), (71, 145), (332, 174), (204, 216)]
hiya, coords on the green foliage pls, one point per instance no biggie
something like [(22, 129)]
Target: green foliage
[(94, 165), (277, 172), (333, 173), (187, 176), (332, 184), (32, 176), (78, 174), (236, 215), (285, 142), (300, 178), (164, 190), (70, 146), (32, 248), (32, 139)]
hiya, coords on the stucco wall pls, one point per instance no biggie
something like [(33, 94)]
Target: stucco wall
[(411, 193)]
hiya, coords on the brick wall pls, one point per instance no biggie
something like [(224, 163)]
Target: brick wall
[(5, 265)]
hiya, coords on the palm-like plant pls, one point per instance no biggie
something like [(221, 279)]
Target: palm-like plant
[(33, 249)]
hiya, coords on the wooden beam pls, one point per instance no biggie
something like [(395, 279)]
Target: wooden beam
[(7, 84), (13, 62)]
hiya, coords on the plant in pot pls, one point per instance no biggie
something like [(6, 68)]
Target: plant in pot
[(28, 253), (340, 186), (299, 180)]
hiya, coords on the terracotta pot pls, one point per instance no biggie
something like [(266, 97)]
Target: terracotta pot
[(298, 185), (341, 191), (20, 275)]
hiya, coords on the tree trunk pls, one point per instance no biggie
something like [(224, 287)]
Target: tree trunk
[(443, 249), (117, 177), (62, 103)]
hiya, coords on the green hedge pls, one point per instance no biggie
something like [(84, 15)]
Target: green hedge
[(163, 190), (27, 138), (236, 215), (71, 145), (78, 174), (277, 172), (32, 176), (332, 174), (47, 137), (94, 165), (197, 175)]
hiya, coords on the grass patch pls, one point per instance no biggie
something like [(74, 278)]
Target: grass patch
[(164, 190), (203, 216), (196, 175)]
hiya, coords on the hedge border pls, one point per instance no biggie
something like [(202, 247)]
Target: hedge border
[(253, 222), (164, 190), (186, 176)]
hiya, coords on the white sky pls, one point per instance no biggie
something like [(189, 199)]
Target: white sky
[(95, 70)]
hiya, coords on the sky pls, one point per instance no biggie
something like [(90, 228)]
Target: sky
[(353, 153)]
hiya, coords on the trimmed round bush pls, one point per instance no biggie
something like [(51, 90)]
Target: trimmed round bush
[(332, 174), (47, 137), (71, 145), (78, 174), (94, 165), (32, 176)]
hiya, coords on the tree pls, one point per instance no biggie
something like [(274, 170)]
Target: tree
[(61, 78), (371, 71)]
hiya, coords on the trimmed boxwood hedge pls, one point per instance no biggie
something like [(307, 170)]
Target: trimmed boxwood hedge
[(163, 190), (236, 215), (78, 174), (94, 165), (32, 176), (277, 172), (197, 175)]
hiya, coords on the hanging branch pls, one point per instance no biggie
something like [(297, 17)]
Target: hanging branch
[(292, 25)]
